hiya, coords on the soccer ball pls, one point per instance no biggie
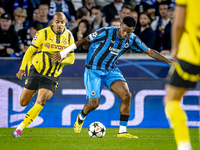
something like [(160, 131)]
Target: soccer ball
[(96, 130)]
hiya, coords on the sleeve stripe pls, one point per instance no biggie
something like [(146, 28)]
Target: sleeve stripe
[(34, 46)]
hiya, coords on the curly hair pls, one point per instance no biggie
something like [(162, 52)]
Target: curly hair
[(129, 21)]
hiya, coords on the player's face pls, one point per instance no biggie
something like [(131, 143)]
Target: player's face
[(125, 31), (59, 23)]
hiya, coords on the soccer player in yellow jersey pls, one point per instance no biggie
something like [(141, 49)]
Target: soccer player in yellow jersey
[(186, 51), (44, 73)]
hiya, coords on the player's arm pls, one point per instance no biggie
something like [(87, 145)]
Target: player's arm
[(177, 29), (156, 55), (69, 60), (59, 56), (30, 51), (36, 42)]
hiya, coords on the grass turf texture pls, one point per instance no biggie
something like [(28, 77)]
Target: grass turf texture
[(65, 138)]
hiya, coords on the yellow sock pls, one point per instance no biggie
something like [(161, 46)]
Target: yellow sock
[(31, 115), (178, 121)]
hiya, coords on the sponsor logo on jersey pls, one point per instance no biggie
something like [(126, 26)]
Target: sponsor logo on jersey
[(114, 50), (55, 46)]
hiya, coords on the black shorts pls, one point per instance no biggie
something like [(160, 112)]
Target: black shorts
[(184, 75), (37, 81)]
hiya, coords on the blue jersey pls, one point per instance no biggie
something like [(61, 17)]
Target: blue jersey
[(107, 47)]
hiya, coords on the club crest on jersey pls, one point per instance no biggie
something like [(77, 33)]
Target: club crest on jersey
[(126, 45), (93, 93), (64, 41), (55, 46)]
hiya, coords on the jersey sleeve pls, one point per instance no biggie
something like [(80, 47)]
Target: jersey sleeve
[(71, 40), (98, 34), (181, 2), (138, 45), (38, 39)]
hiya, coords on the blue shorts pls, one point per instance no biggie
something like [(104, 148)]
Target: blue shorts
[(95, 80)]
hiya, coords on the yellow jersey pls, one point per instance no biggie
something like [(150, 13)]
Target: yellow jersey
[(189, 48), (47, 42)]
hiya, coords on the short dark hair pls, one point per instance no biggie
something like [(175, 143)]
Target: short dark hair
[(129, 21), (126, 6), (98, 7), (81, 12), (163, 3)]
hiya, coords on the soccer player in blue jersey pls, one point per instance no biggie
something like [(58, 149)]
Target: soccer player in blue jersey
[(107, 45)]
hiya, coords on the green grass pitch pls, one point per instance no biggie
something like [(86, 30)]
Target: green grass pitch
[(66, 139)]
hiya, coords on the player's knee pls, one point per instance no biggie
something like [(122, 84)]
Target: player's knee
[(23, 103), (94, 104), (127, 97)]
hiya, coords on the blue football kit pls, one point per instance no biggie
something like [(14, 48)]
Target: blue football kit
[(106, 47)]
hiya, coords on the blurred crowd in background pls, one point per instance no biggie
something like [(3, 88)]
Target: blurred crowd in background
[(21, 19)]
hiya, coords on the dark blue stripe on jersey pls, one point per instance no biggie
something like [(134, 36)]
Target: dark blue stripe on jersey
[(59, 67), (44, 64), (58, 38), (97, 51), (45, 31), (57, 63), (102, 38), (135, 44), (126, 49), (105, 54), (69, 37), (34, 46), (50, 65), (113, 56)]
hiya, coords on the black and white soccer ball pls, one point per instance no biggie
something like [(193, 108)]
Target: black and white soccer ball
[(96, 130)]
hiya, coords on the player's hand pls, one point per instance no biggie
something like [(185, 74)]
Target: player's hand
[(174, 53), (170, 63), (56, 58), (20, 74)]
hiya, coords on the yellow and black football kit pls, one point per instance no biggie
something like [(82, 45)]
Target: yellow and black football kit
[(43, 71), (188, 66)]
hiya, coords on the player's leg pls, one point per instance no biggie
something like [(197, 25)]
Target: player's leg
[(43, 96), (177, 116), (46, 89), (184, 76), (87, 108), (122, 90), (93, 85), (26, 96)]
